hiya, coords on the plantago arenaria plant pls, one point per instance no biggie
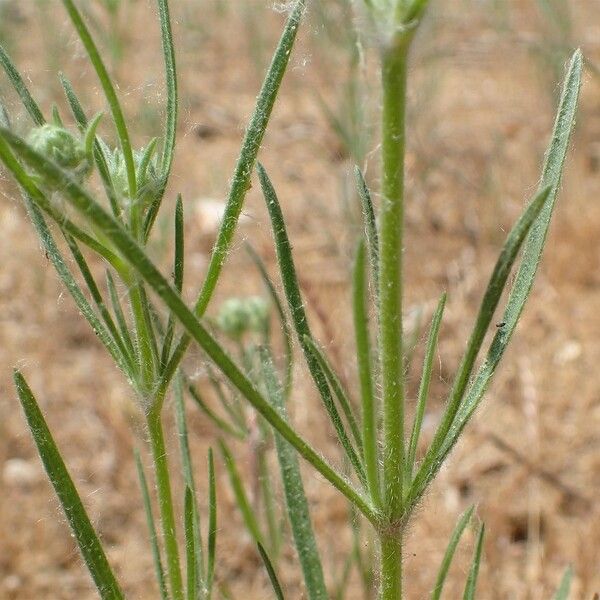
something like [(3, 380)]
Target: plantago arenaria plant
[(383, 478)]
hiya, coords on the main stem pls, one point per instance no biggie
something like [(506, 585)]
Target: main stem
[(393, 74), (165, 502)]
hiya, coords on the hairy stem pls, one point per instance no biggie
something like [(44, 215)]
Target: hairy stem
[(390, 584), (393, 75), (165, 501)]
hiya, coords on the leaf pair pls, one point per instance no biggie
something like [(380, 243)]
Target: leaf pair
[(532, 228)]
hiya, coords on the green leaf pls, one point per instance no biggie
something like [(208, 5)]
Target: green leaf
[(271, 572), (90, 134), (297, 505), (158, 567), (17, 82), (432, 340), (4, 118), (370, 225), (119, 315), (192, 546), (100, 305), (285, 325), (474, 570), (168, 154), (109, 91), (299, 318), (338, 389), (565, 585), (178, 269), (449, 554), (83, 530), (239, 492), (363, 358), (212, 522), (218, 421), (188, 478), (178, 265)]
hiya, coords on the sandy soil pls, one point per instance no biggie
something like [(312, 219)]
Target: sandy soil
[(481, 110)]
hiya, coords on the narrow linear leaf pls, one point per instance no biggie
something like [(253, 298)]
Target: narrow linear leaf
[(285, 325), (432, 340), (158, 567), (365, 368), (239, 492), (212, 522), (178, 269), (191, 544), (178, 266), (83, 530), (270, 572), (4, 117), (171, 111), (99, 302), (145, 160), (471, 584), (231, 404), (299, 318), (109, 92), (135, 255), (370, 226), (118, 311), (449, 554), (297, 505), (188, 478), (18, 84), (338, 389), (250, 147), (218, 421)]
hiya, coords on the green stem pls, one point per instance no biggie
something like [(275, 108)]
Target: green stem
[(390, 585), (165, 502), (393, 71)]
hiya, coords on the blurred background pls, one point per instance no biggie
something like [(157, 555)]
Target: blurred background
[(486, 74)]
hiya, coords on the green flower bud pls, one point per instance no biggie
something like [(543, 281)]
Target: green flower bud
[(232, 318), (61, 146), (257, 309), (238, 316), (146, 167)]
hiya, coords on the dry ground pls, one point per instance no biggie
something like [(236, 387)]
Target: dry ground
[(481, 110)]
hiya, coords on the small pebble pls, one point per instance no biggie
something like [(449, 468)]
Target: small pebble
[(20, 473)]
